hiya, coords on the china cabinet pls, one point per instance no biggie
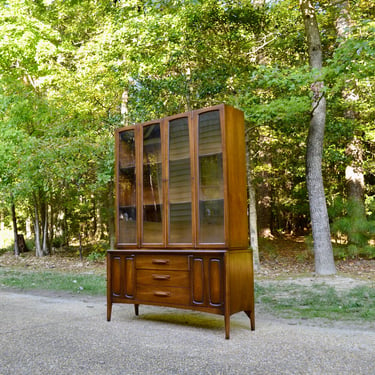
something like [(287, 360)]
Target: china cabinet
[(181, 215)]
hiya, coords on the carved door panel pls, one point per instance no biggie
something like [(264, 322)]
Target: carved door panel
[(123, 276), (207, 280)]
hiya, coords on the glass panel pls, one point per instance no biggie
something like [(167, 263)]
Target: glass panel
[(211, 181), (152, 185), (127, 188), (180, 222)]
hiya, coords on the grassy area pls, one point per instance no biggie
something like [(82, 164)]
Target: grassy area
[(317, 301), (47, 280), (287, 300)]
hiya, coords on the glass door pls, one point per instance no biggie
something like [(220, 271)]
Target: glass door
[(126, 194), (180, 188), (152, 185), (210, 179)]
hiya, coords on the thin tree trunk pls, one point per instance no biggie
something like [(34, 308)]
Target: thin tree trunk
[(51, 229), (38, 248), (253, 224), (80, 243), (324, 261), (45, 230), (15, 230), (124, 107), (253, 227)]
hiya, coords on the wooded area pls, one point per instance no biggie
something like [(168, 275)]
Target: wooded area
[(73, 71)]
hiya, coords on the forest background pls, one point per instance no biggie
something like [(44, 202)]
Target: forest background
[(73, 71)]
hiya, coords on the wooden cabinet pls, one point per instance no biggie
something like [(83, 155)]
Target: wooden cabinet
[(181, 215)]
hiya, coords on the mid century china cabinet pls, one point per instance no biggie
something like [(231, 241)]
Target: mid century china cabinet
[(181, 215)]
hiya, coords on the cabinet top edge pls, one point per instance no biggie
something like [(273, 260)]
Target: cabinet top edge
[(170, 251), (179, 115)]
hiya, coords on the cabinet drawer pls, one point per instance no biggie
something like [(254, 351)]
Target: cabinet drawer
[(163, 278), (162, 262), (163, 295)]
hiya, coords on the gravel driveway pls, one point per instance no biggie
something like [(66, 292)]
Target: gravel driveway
[(52, 334)]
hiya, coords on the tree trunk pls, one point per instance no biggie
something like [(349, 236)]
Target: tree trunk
[(324, 262), (253, 227), (15, 230), (38, 248), (45, 230), (253, 224), (124, 107)]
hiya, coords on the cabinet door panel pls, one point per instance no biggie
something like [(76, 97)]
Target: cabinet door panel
[(126, 190), (123, 276), (180, 183), (215, 281), (116, 276), (152, 197), (207, 280), (197, 272), (129, 277), (210, 179)]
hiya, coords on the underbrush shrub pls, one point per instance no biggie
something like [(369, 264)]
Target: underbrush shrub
[(349, 221)]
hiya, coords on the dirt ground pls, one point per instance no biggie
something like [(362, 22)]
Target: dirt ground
[(280, 258)]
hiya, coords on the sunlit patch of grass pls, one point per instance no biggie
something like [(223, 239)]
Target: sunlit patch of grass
[(48, 280), (317, 301)]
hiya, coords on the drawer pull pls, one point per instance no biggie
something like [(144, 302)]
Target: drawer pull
[(162, 294), (161, 277), (160, 261)]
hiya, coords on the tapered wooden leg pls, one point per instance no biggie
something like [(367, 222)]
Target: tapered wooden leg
[(136, 309), (109, 311), (251, 315), (227, 325)]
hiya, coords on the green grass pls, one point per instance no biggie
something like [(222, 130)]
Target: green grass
[(76, 283), (318, 301), (287, 300)]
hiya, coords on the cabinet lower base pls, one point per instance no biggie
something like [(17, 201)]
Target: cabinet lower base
[(218, 282), (249, 313)]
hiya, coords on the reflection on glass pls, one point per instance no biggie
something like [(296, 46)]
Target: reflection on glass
[(180, 222), (211, 177), (179, 139), (127, 149), (126, 188), (152, 185), (209, 133), (211, 190)]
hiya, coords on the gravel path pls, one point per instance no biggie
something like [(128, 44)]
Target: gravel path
[(44, 334)]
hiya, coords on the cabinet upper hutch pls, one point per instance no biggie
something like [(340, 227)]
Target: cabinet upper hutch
[(181, 215)]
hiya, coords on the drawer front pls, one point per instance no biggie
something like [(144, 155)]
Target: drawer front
[(163, 295), (162, 262), (163, 278)]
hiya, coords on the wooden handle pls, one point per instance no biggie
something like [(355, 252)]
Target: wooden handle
[(161, 277), (162, 294), (160, 261)]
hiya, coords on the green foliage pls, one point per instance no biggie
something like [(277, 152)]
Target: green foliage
[(291, 300), (57, 281), (98, 252), (73, 71), (356, 228)]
